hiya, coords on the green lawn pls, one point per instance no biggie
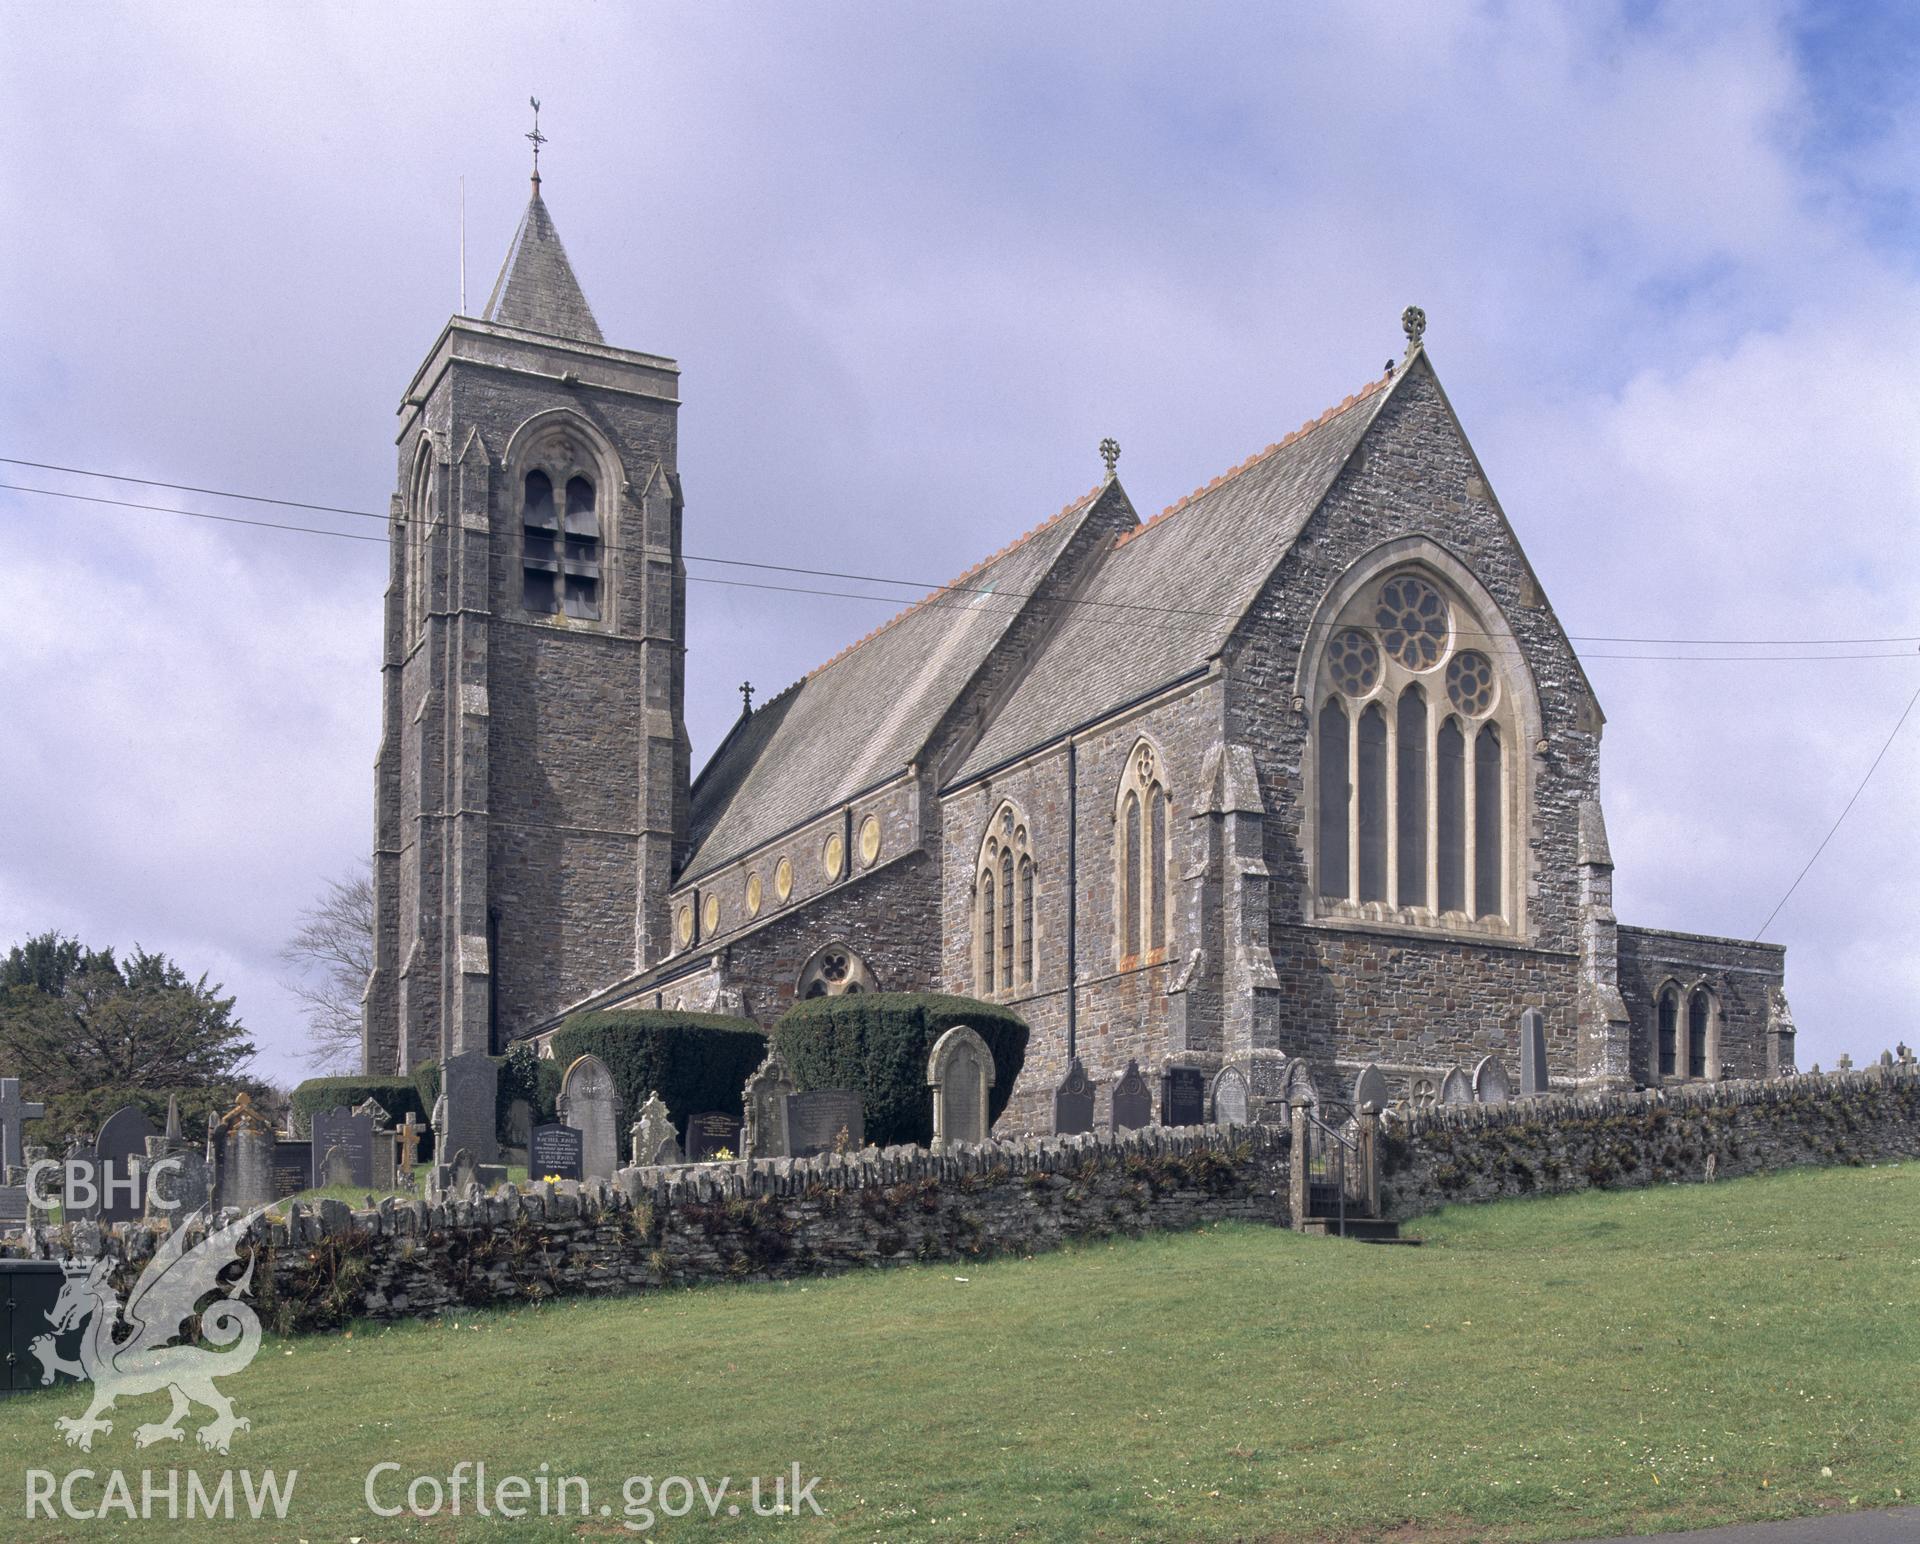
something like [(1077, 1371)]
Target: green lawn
[(1541, 1369)]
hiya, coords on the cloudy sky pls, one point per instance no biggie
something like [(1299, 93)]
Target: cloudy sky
[(915, 262)]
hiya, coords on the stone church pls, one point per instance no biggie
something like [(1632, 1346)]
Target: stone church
[(1300, 773)]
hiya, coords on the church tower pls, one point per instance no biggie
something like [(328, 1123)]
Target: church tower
[(531, 783)]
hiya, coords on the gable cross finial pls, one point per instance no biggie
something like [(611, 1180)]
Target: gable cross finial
[(1413, 322), (538, 139), (1110, 453), (746, 698)]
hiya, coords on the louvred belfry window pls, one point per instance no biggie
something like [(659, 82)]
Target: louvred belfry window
[(560, 548), (1416, 794)]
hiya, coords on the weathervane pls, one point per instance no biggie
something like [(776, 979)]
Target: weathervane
[(537, 138)]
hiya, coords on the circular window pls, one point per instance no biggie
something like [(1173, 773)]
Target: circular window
[(1470, 681), (869, 840), (1354, 659), (710, 914), (1413, 621), (833, 856), (754, 895), (783, 878), (683, 924)]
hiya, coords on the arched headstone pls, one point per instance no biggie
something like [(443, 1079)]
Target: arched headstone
[(960, 1072), (1073, 1102), (1132, 1100), (1457, 1088), (1491, 1085), (121, 1149), (1299, 1082), (1228, 1098), (652, 1131), (1370, 1088), (591, 1105)]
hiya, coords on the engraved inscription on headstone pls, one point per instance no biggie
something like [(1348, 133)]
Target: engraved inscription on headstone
[(289, 1167), (1183, 1096), (825, 1120), (765, 1101), (709, 1134), (554, 1152)]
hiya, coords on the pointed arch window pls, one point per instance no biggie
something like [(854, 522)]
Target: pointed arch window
[(563, 535), (421, 518), (1141, 853), (1417, 794), (1667, 1031), (1003, 923)]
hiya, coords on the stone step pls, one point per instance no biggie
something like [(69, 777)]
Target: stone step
[(1365, 1230)]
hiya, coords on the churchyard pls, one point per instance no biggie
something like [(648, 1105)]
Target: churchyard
[(1661, 1358)]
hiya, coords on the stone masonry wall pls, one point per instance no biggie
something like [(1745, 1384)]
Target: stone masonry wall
[(770, 1221), (1683, 1134), (1354, 994), (1737, 973)]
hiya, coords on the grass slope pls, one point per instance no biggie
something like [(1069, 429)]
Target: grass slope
[(1543, 1369)]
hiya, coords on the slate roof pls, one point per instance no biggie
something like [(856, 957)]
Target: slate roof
[(860, 718), (537, 289), (1164, 600)]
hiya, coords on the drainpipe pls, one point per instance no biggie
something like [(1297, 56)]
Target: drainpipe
[(1073, 897)]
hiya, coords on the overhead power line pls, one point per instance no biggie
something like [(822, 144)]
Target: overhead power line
[(982, 591), (1898, 725)]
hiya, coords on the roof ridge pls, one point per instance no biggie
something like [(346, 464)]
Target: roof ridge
[(953, 584), (1368, 390)]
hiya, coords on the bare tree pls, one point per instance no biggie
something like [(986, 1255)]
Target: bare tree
[(332, 956)]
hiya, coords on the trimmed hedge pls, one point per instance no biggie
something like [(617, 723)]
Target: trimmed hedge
[(395, 1095), (694, 1061), (877, 1044)]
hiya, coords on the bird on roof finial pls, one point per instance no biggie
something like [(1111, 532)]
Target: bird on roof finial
[(538, 140), (1413, 322), (1110, 453)]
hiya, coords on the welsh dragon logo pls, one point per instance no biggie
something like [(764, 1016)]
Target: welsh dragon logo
[(157, 1313)]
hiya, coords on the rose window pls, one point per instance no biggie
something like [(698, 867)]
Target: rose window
[(1413, 621), (1354, 659), (1470, 682)]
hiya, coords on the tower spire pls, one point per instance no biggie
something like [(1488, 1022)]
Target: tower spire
[(538, 139)]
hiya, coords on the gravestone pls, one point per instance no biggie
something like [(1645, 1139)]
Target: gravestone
[(709, 1134), (1073, 1102), (351, 1134), (765, 1101), (247, 1170), (1491, 1085), (1533, 1054), (825, 1120), (1183, 1097), (79, 1160), (333, 1168), (121, 1163), (652, 1131), (554, 1152), (591, 1105), (13, 1205), (1229, 1097), (291, 1166), (15, 1112), (463, 1175), (406, 1141), (1370, 1088), (1456, 1087), (519, 1122), (182, 1188), (1132, 1101), (960, 1072), (470, 1083)]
